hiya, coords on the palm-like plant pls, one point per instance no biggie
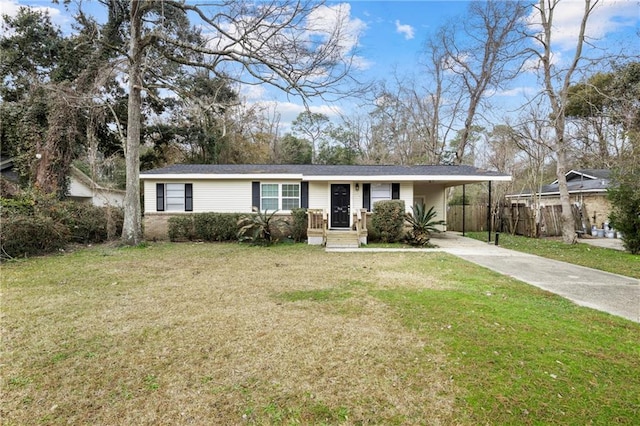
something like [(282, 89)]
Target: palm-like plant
[(257, 226), (423, 224)]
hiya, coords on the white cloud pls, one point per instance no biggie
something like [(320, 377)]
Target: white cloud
[(253, 92), (11, 7), (326, 19), (609, 16), (517, 92), (407, 30)]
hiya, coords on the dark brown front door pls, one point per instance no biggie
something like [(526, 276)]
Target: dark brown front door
[(340, 205)]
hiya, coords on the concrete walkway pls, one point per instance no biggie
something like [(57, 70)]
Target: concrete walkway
[(615, 294), (612, 243)]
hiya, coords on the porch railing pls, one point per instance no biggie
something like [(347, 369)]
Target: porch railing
[(360, 221), (317, 223)]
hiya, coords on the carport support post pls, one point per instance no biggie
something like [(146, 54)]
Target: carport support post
[(464, 210), (489, 214)]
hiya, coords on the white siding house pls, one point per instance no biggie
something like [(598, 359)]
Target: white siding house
[(340, 196)]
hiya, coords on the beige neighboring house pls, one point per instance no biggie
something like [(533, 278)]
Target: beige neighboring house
[(338, 198), (83, 188), (587, 187)]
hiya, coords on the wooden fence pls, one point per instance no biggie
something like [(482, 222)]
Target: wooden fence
[(475, 218), (515, 219)]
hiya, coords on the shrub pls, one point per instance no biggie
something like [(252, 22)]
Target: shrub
[(260, 227), (88, 223), (625, 214), (388, 220), (61, 222), (16, 206), (181, 228), (422, 224), (299, 225), (28, 235), (216, 226)]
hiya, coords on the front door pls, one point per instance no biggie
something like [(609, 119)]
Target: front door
[(340, 205)]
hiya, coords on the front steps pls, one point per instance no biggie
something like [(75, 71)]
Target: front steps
[(342, 239)]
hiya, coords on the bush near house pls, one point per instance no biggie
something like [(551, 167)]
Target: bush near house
[(221, 227), (423, 223), (262, 227), (387, 221), (204, 227), (182, 228), (216, 226), (34, 223), (298, 225)]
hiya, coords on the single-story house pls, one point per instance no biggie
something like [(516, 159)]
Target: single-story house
[(81, 187), (339, 198), (587, 188)]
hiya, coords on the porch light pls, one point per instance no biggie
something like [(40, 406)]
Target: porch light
[(357, 187)]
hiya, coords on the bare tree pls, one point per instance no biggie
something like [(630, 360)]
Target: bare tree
[(286, 44), (482, 52), (556, 83), (532, 135)]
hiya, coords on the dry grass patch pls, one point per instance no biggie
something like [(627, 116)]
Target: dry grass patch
[(185, 334)]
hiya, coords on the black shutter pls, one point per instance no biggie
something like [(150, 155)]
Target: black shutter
[(366, 196), (160, 197), (255, 195), (395, 191), (188, 197), (304, 195)]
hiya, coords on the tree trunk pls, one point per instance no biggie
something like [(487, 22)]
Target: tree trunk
[(132, 225), (566, 218)]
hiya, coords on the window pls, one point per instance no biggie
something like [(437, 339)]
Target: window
[(174, 197), (374, 192), (269, 199), (380, 192), (174, 200), (290, 196), (276, 196)]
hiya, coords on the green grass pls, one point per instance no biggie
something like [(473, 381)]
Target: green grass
[(525, 356), (604, 259), (183, 333)]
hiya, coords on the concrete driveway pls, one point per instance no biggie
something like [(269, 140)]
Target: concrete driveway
[(615, 294)]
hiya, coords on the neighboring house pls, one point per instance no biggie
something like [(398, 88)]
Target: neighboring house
[(587, 188), (338, 198), (81, 187)]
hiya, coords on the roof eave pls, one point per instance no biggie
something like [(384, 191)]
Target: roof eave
[(576, 191), (226, 176), (462, 179)]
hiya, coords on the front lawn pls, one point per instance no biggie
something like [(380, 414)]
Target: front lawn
[(604, 259), (232, 334)]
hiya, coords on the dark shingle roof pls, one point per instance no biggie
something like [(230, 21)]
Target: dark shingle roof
[(585, 180), (322, 170)]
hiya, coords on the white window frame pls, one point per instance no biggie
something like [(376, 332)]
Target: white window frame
[(281, 197)]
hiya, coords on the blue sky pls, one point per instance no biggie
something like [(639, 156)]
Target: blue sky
[(392, 35)]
